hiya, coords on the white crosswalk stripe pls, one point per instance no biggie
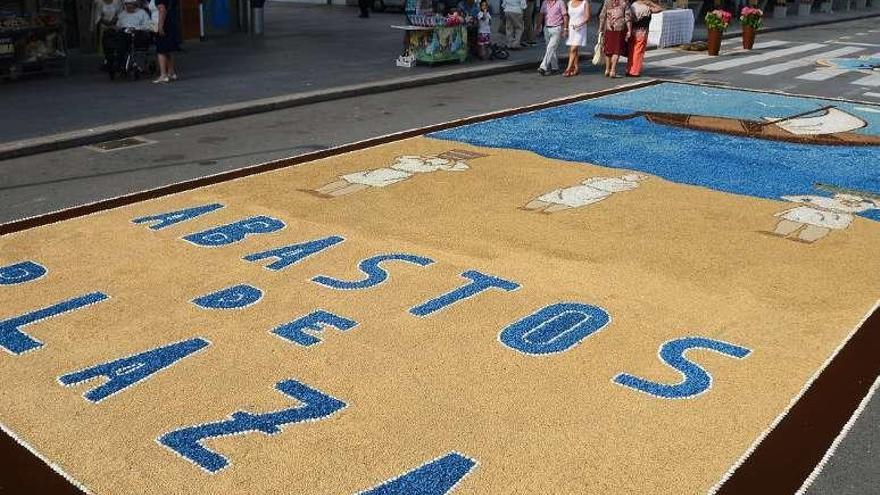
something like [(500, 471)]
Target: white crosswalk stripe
[(669, 51), (872, 80), (686, 59), (803, 62), (872, 95), (822, 74), (739, 61), (854, 44)]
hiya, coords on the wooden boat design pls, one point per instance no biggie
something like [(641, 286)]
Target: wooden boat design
[(831, 126)]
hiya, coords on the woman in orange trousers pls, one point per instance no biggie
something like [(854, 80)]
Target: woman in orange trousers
[(638, 43)]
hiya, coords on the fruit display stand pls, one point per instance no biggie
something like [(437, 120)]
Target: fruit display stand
[(32, 38)]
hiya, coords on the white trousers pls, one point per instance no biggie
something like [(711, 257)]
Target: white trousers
[(552, 35)]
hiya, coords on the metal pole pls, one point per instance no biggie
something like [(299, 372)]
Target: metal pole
[(258, 21), (201, 21)]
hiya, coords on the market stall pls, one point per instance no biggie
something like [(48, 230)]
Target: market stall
[(32, 38), (671, 27), (431, 37)]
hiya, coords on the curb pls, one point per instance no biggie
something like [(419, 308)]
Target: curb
[(73, 139)]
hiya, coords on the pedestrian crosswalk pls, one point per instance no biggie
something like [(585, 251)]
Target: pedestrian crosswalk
[(807, 61), (789, 61), (872, 80)]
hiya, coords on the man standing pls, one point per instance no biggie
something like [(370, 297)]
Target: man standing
[(513, 20), (364, 6), (554, 17)]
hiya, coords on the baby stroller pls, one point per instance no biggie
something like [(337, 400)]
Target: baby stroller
[(128, 53)]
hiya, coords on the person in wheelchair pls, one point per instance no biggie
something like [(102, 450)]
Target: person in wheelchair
[(132, 32)]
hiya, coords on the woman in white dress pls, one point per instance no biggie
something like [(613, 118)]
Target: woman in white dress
[(578, 17)]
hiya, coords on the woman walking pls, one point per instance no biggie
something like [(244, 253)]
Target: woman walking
[(578, 17), (615, 23), (167, 39), (641, 10)]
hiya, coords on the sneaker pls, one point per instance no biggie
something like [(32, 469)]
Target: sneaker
[(173, 77), (162, 80), (542, 71)]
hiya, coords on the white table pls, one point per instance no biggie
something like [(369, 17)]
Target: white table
[(671, 27)]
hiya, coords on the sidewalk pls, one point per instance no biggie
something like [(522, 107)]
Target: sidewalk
[(310, 53)]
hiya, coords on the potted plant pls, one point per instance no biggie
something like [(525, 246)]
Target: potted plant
[(804, 7), (716, 22), (751, 19), (780, 10)]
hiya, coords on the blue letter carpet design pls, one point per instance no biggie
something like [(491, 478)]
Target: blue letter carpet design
[(574, 299)]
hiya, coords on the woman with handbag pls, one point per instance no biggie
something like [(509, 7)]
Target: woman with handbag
[(641, 10), (615, 26)]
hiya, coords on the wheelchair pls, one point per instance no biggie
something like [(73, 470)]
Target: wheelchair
[(129, 53)]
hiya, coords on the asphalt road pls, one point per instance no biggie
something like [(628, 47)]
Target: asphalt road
[(39, 184)]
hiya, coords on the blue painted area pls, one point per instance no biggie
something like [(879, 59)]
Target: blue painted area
[(20, 273), (170, 218), (555, 328), (293, 254), (14, 340), (479, 282), (295, 331), (739, 165), (864, 63), (235, 232), (696, 379), (235, 297), (125, 372), (437, 477), (185, 442), (375, 274)]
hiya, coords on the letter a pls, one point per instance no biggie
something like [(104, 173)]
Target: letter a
[(293, 254), (174, 217), (127, 371)]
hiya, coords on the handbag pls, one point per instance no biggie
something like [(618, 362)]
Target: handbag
[(599, 49)]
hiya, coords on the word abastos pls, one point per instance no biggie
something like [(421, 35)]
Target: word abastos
[(553, 329)]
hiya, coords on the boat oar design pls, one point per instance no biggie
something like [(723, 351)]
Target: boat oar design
[(827, 125)]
